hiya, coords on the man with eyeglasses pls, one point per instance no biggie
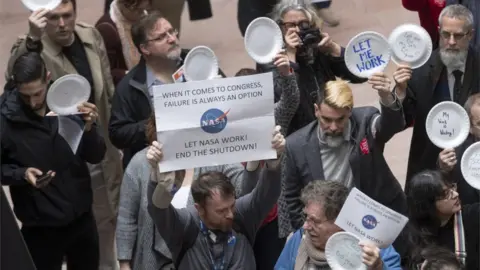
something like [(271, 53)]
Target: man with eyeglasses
[(132, 103), (71, 47), (451, 74)]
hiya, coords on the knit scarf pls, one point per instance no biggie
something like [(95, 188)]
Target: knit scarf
[(124, 26), (307, 253)]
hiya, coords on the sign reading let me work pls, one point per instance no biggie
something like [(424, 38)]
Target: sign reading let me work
[(367, 53), (215, 122)]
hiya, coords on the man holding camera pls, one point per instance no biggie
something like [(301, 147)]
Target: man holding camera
[(314, 57)]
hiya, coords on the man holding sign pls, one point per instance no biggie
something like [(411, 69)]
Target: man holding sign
[(219, 225)]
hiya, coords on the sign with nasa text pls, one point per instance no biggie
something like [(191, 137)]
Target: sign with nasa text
[(215, 122), (370, 220)]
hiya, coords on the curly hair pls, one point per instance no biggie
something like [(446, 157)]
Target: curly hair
[(330, 194)]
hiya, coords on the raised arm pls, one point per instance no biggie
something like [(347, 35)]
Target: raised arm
[(176, 226), (285, 83), (252, 208), (391, 120)]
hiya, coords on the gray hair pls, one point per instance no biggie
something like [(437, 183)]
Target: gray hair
[(459, 12), (330, 194), (472, 100), (284, 6)]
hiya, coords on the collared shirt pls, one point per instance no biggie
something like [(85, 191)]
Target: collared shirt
[(336, 160), (151, 82), (451, 79)]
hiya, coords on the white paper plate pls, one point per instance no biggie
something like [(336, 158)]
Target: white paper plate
[(447, 125), (410, 44), (343, 252), (367, 53), (263, 40), (34, 5), (200, 64), (470, 165), (66, 93)]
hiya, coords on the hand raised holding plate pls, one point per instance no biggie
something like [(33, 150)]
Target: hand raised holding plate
[(447, 159), (282, 62), (37, 22), (90, 114), (381, 83), (401, 76)]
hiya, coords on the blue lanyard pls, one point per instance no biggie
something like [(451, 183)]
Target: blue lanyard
[(231, 241)]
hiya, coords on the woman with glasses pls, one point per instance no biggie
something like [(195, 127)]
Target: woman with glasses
[(437, 217), (115, 26)]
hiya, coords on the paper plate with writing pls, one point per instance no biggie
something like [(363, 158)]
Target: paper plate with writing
[(200, 64), (411, 44), (447, 125), (263, 40), (343, 252), (367, 53), (34, 5), (470, 165)]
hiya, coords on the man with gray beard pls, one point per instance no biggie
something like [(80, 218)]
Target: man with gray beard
[(345, 144), (451, 74), (161, 56)]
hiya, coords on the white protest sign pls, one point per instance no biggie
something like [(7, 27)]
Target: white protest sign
[(215, 122), (447, 125), (370, 220), (367, 53), (411, 44)]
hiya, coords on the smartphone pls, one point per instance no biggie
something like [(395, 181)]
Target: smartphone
[(44, 178)]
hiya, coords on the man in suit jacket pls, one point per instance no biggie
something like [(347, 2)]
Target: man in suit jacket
[(451, 74), (71, 47), (346, 145)]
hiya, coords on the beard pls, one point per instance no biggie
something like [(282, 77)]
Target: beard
[(453, 59), (332, 140), (174, 53)]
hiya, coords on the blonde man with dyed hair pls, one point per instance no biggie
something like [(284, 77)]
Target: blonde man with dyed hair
[(345, 144)]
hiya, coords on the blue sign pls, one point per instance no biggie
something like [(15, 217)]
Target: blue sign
[(368, 59), (214, 120), (369, 222)]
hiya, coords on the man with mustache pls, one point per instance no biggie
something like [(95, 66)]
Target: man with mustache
[(132, 104), (345, 145), (451, 74)]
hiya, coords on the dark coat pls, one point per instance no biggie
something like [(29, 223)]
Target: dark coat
[(419, 101), (371, 173)]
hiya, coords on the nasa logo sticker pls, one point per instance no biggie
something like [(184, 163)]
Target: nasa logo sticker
[(214, 120), (369, 222)]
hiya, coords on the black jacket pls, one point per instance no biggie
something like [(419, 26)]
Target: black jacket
[(420, 100), (131, 109), (29, 140)]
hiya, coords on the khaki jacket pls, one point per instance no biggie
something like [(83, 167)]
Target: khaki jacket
[(59, 65)]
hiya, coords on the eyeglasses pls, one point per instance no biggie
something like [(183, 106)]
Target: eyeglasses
[(311, 220), (450, 191), (456, 36), (301, 24), (172, 33)]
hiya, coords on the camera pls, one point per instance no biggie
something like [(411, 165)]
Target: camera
[(310, 36)]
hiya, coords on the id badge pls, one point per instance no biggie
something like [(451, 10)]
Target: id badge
[(178, 75)]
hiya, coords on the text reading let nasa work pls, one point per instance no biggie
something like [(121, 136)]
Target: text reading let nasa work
[(204, 95)]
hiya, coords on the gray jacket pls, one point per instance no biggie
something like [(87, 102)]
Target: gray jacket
[(137, 239), (180, 228)]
